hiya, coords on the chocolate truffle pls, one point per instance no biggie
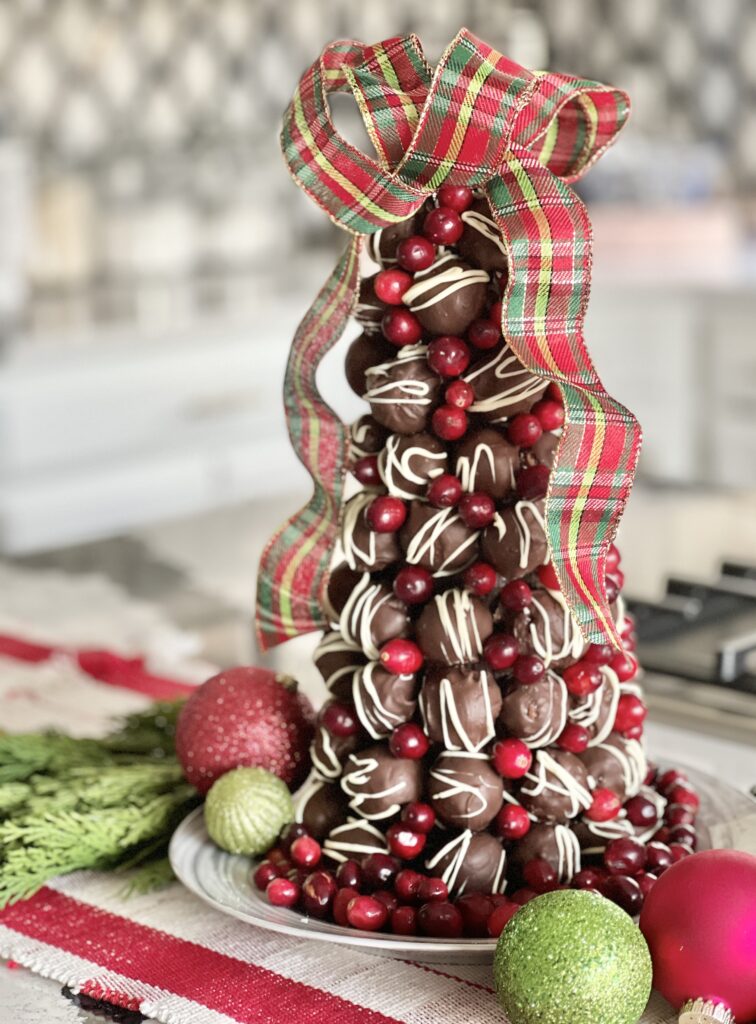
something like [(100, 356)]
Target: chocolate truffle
[(556, 844), (367, 437), (382, 245), (515, 542), (502, 386), (460, 706), (383, 700), (597, 711), (354, 840), (328, 752), (453, 627), (372, 616), (341, 582), (543, 451), (364, 549), (448, 296), (379, 784), (438, 539), (547, 628), (320, 806), (464, 790), (402, 389), (471, 862), (594, 836), (486, 461), (481, 242), (536, 714), (364, 352), (617, 764), (337, 659), (408, 464), (556, 787), (369, 310)]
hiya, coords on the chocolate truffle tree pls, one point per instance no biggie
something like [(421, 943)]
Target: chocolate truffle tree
[(484, 725)]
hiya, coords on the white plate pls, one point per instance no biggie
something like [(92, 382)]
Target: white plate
[(225, 882)]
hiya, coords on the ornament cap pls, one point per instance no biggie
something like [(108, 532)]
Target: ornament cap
[(702, 1011)]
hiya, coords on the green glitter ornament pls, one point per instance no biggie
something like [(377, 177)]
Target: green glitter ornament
[(572, 956), (246, 809)]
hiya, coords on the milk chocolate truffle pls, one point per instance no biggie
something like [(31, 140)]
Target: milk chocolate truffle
[(515, 543), (382, 245), (354, 840), (453, 627), (337, 659), (369, 310), (383, 701), (408, 464), (617, 764), (556, 844), (341, 582), (364, 549), (471, 862), (594, 836), (372, 616), (402, 390), (556, 787), (596, 711), (536, 714), (364, 352), (328, 752), (438, 539), (464, 790), (448, 296), (320, 806), (502, 386), (367, 437), (486, 461), (548, 629), (379, 784), (460, 706), (481, 242)]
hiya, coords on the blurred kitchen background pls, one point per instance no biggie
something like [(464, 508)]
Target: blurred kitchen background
[(155, 258)]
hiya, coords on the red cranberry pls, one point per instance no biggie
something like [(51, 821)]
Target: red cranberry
[(290, 833), (415, 253), (533, 482), (366, 470), (547, 576), (512, 822), (679, 852), (625, 856), (475, 909), (494, 314), (605, 806), (339, 719), (635, 732), (684, 835), (625, 892), (455, 197), (599, 654), (631, 711), (305, 852), (460, 394), (540, 875), (480, 578), (574, 738), (318, 892), (366, 913), (550, 414), (477, 509), (652, 773), (403, 842), (298, 875), (641, 811), (528, 669), (662, 835), (419, 817), (630, 643), (385, 514), (413, 585), (443, 226), (349, 875), (409, 740), (379, 870), (283, 893), (582, 678), (554, 392), (449, 423), (264, 874), (448, 356), (501, 917), (516, 595), (501, 651), (523, 896), (407, 884), (401, 657), (628, 626), (524, 430), (483, 334), (646, 881), (401, 327), (404, 921), (684, 796), (387, 898), (440, 920), (445, 491), (612, 559), (511, 758), (390, 286), (341, 901), (432, 890), (588, 878), (612, 589), (669, 779)]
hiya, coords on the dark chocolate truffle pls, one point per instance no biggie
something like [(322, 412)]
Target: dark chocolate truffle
[(556, 844), (354, 840), (369, 310), (364, 352), (383, 700), (438, 539), (379, 784), (481, 242), (448, 296), (502, 386), (543, 451), (328, 752), (320, 806), (548, 629), (402, 389), (556, 787), (464, 790), (453, 627), (594, 836), (596, 711), (408, 463), (364, 549), (471, 862), (382, 245), (486, 461), (341, 582), (372, 616), (536, 714), (460, 706), (367, 437), (515, 542), (337, 659), (617, 764)]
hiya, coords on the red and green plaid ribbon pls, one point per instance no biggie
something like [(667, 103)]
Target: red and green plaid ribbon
[(480, 120)]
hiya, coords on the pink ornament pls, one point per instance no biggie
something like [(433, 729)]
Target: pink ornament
[(699, 920)]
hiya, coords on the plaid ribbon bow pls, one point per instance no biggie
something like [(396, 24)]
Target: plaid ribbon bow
[(483, 121)]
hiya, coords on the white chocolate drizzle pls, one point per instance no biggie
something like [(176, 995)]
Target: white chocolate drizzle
[(334, 643), (468, 468), (518, 383), (323, 755), (588, 711), (547, 774), (455, 734), (456, 849), (422, 547), (568, 853), (311, 785), (485, 226), (354, 555), (447, 276), (456, 785), (356, 621), (356, 779), (341, 849), (384, 389), (631, 758), (462, 640), (396, 468), (371, 710), (542, 638), (552, 727), (524, 528)]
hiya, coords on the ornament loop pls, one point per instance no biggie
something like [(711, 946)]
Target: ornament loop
[(702, 1011)]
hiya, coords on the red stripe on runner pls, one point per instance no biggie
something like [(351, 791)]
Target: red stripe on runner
[(243, 991)]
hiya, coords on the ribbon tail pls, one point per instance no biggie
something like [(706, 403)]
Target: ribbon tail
[(294, 566)]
